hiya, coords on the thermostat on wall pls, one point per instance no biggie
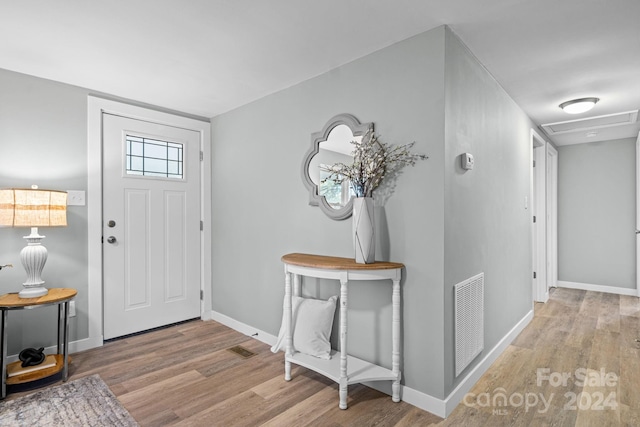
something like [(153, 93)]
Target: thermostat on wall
[(466, 161)]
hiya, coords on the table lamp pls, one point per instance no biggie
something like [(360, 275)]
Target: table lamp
[(33, 208)]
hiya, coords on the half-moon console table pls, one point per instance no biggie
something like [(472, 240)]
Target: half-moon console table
[(346, 369), (56, 296)]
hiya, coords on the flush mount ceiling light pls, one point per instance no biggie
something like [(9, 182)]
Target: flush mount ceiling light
[(577, 106)]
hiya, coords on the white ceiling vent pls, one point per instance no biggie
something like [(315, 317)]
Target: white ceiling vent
[(579, 125)]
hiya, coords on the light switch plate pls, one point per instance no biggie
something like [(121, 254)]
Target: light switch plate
[(75, 198)]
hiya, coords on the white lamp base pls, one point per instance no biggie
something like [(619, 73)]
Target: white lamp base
[(33, 257), (33, 292)]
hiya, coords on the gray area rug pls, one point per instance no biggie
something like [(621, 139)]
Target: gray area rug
[(82, 402)]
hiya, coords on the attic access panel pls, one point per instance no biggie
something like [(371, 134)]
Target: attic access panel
[(598, 122)]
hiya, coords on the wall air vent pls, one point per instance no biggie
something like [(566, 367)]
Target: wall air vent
[(598, 122), (469, 326)]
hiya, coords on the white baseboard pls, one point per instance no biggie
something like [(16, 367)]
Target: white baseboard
[(456, 396), (439, 407), (74, 347), (598, 288), (416, 398), (242, 327), (443, 408), (92, 342), (85, 344)]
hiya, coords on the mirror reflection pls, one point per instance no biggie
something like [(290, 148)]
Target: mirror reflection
[(329, 146), (336, 149)]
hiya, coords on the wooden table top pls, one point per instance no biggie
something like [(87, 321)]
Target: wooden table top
[(336, 263), (55, 295)]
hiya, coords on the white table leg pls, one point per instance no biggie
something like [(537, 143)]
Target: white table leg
[(395, 332), (287, 325), (343, 344), (297, 285)]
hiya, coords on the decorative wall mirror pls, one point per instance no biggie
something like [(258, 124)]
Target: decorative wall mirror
[(329, 146)]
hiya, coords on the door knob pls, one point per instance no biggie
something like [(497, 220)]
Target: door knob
[(111, 239)]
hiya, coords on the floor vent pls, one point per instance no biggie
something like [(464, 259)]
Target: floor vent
[(469, 327), (242, 352)]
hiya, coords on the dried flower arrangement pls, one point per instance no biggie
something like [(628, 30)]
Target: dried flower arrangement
[(372, 160)]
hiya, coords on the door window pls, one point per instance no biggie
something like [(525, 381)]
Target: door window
[(154, 158)]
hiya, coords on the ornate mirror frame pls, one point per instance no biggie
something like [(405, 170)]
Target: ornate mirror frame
[(358, 129)]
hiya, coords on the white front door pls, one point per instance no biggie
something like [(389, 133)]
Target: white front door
[(151, 225)]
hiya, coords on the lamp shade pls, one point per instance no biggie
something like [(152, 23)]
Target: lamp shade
[(6, 208), (33, 208)]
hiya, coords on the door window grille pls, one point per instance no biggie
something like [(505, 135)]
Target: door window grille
[(154, 158)]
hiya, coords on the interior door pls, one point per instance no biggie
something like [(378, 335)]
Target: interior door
[(539, 226), (151, 225)]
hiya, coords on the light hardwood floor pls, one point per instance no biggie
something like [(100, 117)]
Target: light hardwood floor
[(589, 338), (184, 375)]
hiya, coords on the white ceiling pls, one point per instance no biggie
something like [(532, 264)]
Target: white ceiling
[(205, 57)]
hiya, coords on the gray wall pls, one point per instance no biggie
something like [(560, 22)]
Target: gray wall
[(43, 141), (487, 228), (261, 211), (443, 224), (596, 213)]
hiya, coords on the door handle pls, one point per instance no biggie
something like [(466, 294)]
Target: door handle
[(637, 231), (111, 239)]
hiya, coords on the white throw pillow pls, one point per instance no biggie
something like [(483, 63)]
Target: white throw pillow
[(311, 323)]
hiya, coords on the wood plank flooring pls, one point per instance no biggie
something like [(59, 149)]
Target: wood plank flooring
[(577, 363), (184, 375)]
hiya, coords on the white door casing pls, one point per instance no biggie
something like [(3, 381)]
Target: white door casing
[(151, 226), (539, 213), (96, 107), (552, 216), (534, 229), (637, 231)]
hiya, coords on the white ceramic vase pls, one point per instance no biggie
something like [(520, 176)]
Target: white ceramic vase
[(364, 241)]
